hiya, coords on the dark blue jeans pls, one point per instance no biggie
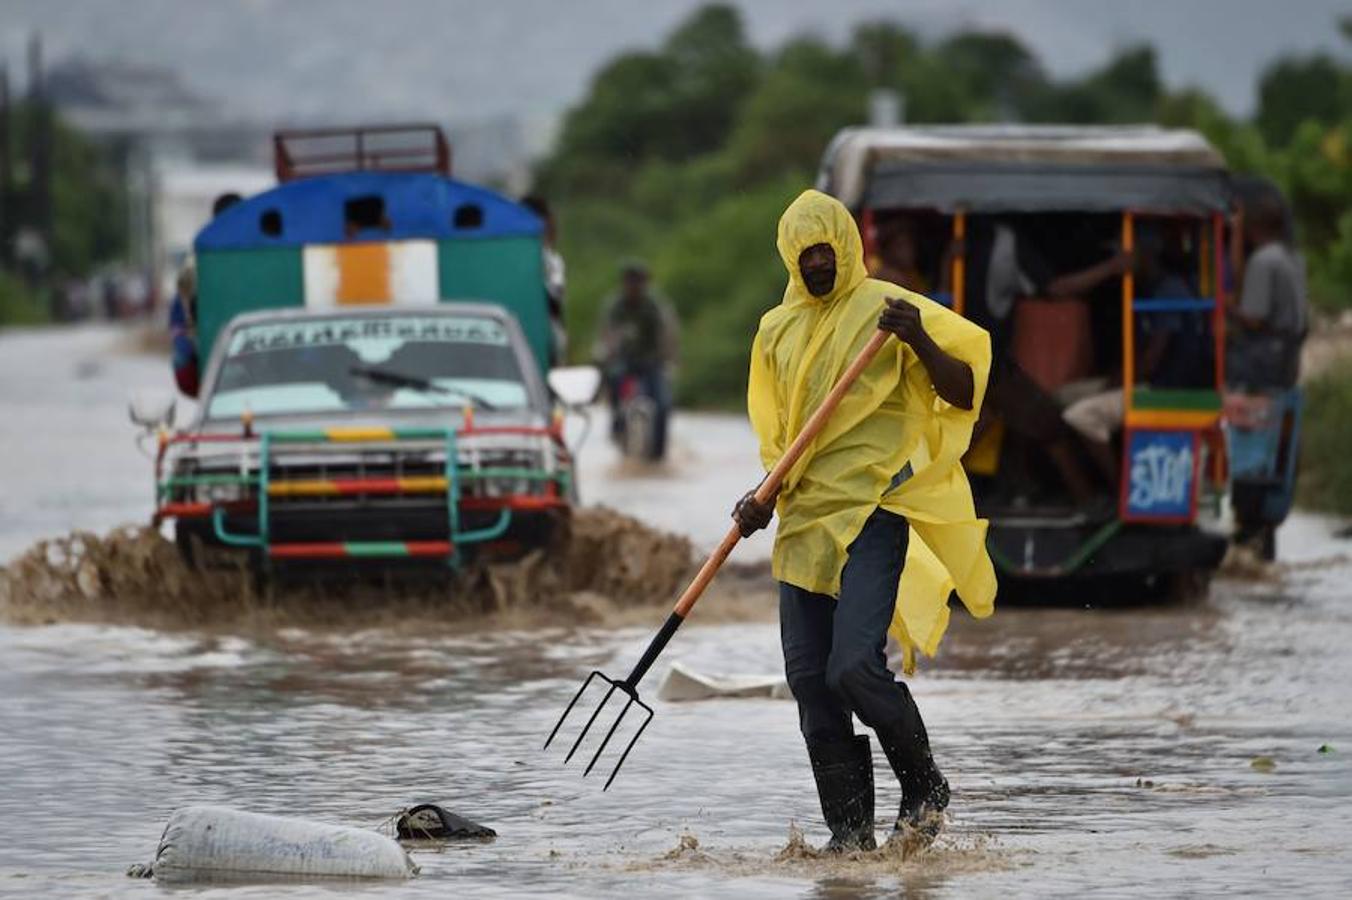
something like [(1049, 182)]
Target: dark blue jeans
[(834, 650)]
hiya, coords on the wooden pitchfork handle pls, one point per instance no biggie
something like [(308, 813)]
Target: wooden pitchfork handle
[(764, 492)]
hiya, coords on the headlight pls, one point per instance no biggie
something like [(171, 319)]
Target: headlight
[(224, 493), (504, 487)]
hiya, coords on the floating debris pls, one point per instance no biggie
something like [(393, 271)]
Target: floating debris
[(683, 683), (427, 821), (1263, 764)]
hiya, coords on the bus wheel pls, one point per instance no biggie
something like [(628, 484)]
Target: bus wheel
[(1267, 543), (1188, 586)]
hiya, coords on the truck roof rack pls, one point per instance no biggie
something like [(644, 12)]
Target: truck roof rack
[(304, 153)]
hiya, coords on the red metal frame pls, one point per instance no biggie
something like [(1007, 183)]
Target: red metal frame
[(198, 510), (514, 502), (338, 550), (1218, 314), (549, 500), (553, 432), (291, 164), (868, 232)]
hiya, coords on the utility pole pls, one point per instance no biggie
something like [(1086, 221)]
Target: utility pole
[(7, 211), (40, 167), (41, 143)]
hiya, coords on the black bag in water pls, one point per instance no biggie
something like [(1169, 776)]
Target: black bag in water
[(427, 820)]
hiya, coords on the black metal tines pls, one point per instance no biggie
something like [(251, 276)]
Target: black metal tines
[(632, 701)]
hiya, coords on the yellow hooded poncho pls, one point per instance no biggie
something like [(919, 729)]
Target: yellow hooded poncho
[(891, 416)]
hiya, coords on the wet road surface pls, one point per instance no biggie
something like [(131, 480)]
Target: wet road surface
[(1089, 750)]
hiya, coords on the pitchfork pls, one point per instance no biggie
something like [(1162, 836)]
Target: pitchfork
[(767, 489)]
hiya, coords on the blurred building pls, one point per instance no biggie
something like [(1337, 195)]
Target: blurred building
[(179, 150), (173, 145), (124, 103)]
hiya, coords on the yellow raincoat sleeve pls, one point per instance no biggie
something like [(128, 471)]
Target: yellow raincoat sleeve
[(947, 552), (764, 406)]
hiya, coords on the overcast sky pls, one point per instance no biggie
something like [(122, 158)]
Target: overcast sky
[(455, 59)]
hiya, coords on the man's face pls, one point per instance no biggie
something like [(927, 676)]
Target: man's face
[(818, 267), (635, 285)]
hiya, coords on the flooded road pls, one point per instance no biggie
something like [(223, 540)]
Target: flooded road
[(1154, 750)]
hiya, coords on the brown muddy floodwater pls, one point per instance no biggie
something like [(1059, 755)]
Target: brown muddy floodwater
[(1090, 751)]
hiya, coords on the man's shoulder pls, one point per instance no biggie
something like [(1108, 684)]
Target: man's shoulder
[(878, 289), (1273, 255)]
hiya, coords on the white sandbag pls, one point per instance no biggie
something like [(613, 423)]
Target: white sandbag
[(683, 683), (212, 841)]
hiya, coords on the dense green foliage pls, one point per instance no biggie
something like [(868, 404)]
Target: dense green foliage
[(1326, 469), (686, 154), (88, 215), (19, 305)]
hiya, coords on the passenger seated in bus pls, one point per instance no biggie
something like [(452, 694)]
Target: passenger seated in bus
[(365, 213), (183, 315), (555, 277), (1176, 349), (183, 331), (1016, 272), (1269, 322), (899, 258)]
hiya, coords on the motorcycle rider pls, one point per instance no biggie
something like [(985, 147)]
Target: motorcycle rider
[(638, 338)]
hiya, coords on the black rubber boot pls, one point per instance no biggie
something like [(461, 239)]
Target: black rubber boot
[(844, 774), (924, 790)]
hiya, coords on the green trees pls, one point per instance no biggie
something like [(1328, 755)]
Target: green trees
[(1298, 89), (672, 104), (89, 218), (687, 154), (1326, 472), (87, 214)]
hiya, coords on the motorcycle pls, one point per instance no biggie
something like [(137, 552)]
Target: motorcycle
[(638, 424)]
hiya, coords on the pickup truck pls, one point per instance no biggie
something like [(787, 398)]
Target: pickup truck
[(377, 386)]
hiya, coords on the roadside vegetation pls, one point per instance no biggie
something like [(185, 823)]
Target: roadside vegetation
[(1326, 456), (19, 305), (85, 207), (686, 154)]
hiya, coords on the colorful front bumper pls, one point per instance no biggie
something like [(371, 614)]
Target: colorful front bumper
[(550, 488)]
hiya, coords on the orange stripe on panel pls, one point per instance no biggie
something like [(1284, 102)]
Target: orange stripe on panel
[(1171, 419), (363, 274)]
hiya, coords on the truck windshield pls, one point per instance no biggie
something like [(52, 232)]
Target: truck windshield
[(364, 364)]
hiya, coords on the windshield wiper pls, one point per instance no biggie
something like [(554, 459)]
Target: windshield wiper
[(418, 383)]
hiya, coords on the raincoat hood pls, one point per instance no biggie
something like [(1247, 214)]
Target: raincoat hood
[(891, 443), (815, 218)]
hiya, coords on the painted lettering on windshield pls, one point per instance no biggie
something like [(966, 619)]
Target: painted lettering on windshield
[(330, 332)]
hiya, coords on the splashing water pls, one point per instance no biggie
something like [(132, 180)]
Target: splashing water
[(133, 575)]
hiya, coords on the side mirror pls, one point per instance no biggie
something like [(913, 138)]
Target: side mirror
[(575, 385), (151, 409)]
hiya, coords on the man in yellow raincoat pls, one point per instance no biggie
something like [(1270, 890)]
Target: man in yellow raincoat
[(877, 525)]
